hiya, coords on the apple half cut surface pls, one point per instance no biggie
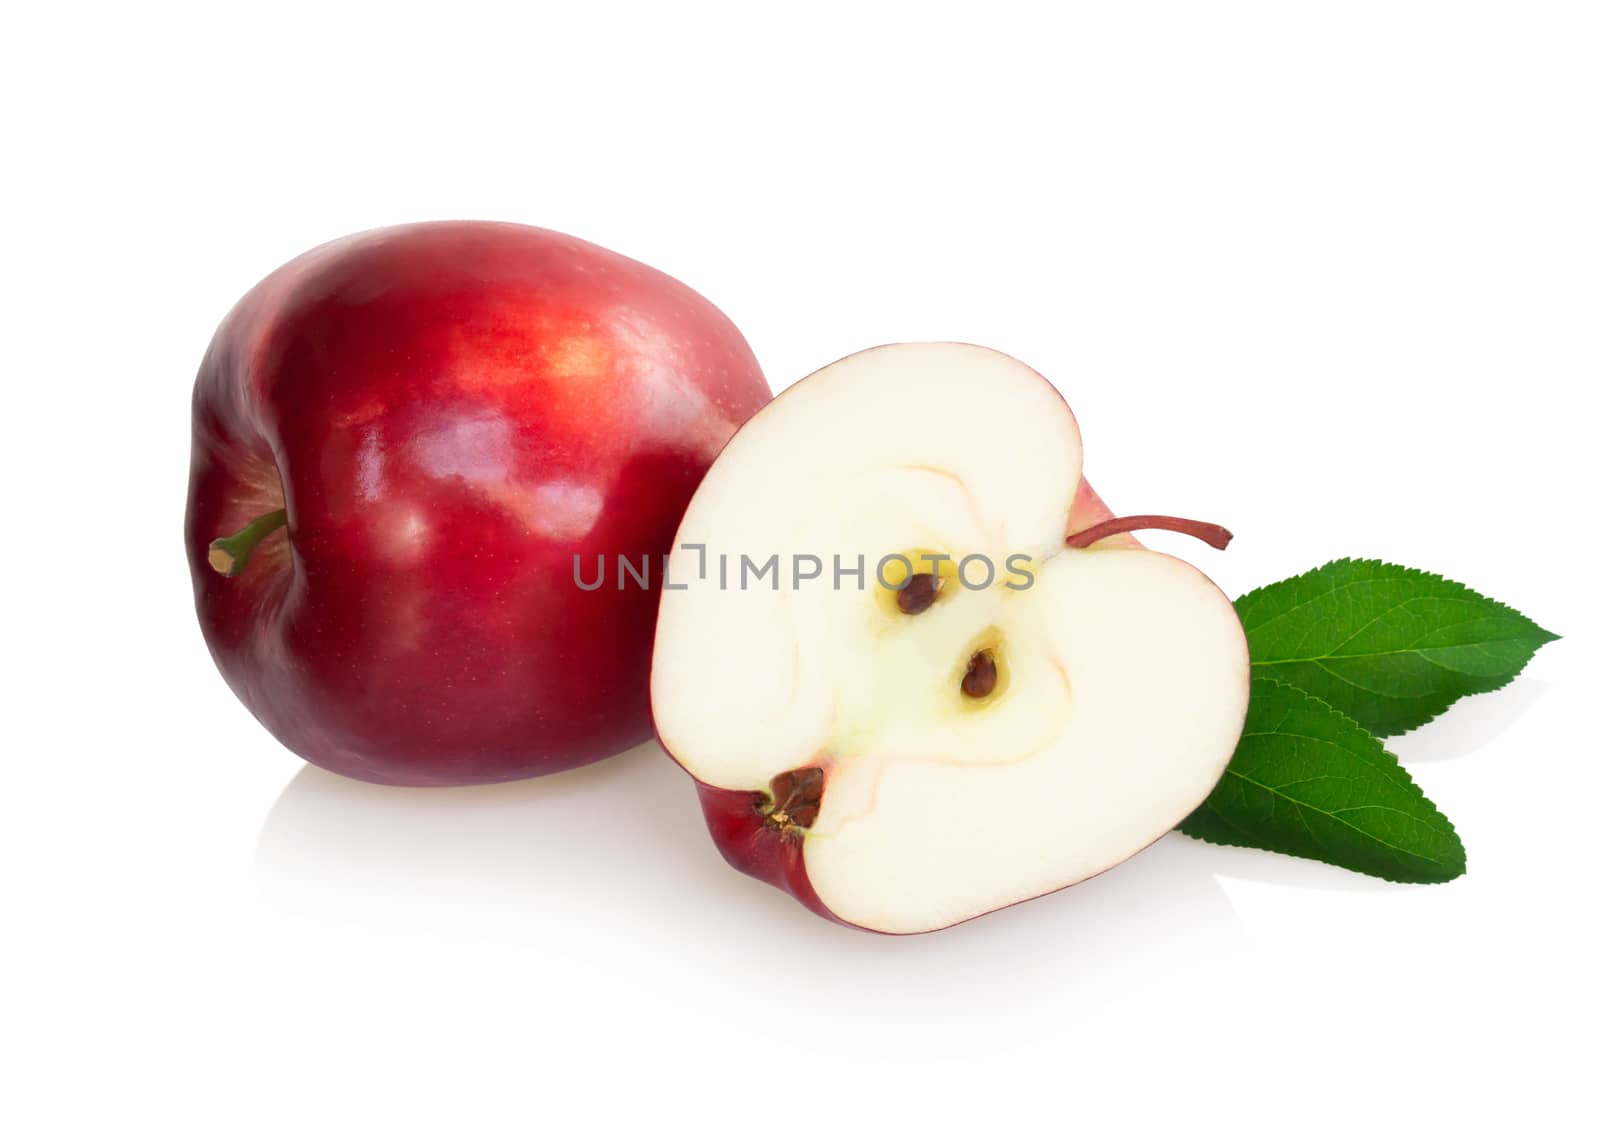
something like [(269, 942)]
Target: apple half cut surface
[(917, 744)]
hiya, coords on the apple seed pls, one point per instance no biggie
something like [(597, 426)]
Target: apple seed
[(918, 593), (981, 675)]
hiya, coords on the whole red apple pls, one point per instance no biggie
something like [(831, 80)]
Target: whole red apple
[(402, 440)]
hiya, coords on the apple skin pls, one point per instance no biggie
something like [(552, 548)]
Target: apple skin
[(738, 825), (449, 413), (740, 831)]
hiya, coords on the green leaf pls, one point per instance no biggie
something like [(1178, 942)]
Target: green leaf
[(1307, 780), (1390, 646)]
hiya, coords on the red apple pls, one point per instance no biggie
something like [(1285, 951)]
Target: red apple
[(402, 440)]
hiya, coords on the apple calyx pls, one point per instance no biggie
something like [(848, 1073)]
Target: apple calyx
[(229, 555), (1214, 534), (796, 799)]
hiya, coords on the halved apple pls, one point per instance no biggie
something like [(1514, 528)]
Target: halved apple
[(959, 711)]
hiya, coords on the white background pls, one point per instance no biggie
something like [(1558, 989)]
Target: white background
[(1327, 273)]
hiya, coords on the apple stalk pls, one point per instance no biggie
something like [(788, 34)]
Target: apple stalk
[(229, 555), (1214, 534)]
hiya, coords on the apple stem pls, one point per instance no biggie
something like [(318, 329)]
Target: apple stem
[(229, 555), (1214, 534)]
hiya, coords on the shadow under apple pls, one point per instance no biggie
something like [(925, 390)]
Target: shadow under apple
[(620, 847)]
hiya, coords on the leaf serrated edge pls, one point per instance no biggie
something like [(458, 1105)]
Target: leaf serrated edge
[(1545, 636), (1405, 775), (1399, 767), (1413, 572)]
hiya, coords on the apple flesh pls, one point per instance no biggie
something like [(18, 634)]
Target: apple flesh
[(902, 764), (401, 441)]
